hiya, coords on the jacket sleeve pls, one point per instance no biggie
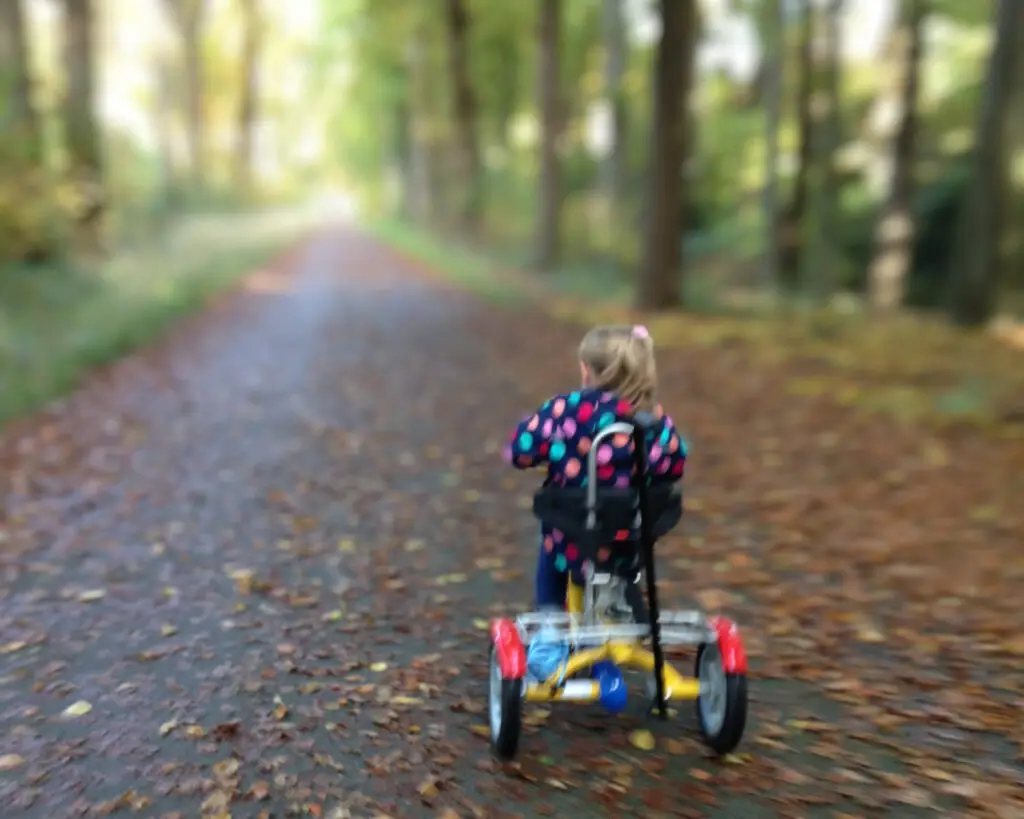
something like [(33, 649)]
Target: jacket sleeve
[(531, 440), (668, 454)]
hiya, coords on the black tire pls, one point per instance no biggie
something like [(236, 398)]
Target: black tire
[(505, 735), (723, 739)]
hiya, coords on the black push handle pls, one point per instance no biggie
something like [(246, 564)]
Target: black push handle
[(642, 423)]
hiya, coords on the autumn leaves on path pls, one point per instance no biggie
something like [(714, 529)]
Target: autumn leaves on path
[(247, 574)]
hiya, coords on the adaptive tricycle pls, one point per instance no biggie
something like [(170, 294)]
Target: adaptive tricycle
[(578, 654)]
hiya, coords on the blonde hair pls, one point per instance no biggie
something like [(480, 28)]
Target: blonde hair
[(621, 360)]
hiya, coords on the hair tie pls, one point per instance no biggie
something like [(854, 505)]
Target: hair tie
[(639, 331)]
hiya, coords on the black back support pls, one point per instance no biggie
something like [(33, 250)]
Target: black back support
[(615, 510)]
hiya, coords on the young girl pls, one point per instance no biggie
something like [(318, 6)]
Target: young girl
[(618, 378)]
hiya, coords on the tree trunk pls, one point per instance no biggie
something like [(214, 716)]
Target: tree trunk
[(18, 116), (896, 231), (402, 124), (188, 16), (614, 170), (548, 232), (164, 69), (248, 101), (660, 279), (773, 65), (85, 163), (976, 263), (827, 137), (465, 106), (791, 233), (421, 187)]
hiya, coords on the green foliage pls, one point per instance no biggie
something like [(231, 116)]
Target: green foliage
[(724, 219), (30, 212), (57, 321)]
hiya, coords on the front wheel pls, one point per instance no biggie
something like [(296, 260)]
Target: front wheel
[(505, 699), (722, 704)]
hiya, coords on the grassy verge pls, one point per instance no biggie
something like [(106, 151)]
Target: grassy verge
[(481, 273), (57, 323), (914, 368)]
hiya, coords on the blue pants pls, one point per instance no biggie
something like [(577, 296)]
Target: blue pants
[(552, 585)]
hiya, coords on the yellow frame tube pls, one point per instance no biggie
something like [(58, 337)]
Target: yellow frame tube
[(574, 599), (624, 655)]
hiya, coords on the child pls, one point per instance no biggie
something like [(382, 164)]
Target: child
[(618, 378)]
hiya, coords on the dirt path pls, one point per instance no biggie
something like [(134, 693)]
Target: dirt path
[(262, 555)]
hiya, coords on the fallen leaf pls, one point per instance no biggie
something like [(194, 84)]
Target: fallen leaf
[(225, 769), (78, 709), (428, 789), (642, 740), (92, 595), (9, 762)]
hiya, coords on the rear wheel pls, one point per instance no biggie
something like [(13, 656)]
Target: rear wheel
[(505, 699), (722, 704)]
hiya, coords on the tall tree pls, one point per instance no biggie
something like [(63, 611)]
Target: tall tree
[(976, 261), (827, 135), (248, 98), (548, 231), (465, 105), (771, 72), (82, 134), (896, 231), (422, 186), (614, 170), (660, 280), (791, 230), (18, 115), (188, 17)]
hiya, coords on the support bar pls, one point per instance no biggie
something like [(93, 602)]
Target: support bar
[(572, 691)]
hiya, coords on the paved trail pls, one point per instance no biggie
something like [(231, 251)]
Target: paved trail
[(263, 553)]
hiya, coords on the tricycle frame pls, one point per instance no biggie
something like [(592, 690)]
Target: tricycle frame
[(719, 682)]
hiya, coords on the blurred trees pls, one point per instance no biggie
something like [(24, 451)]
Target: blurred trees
[(791, 238), (465, 110), (22, 231), (825, 164), (659, 283), (551, 104), (692, 153), (895, 231), (769, 79), (983, 218), (188, 17), (615, 62), (19, 114), (81, 138), (248, 98), (115, 117)]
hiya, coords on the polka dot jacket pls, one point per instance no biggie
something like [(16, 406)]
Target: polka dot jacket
[(559, 435)]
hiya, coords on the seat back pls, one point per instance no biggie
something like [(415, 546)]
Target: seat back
[(594, 516)]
